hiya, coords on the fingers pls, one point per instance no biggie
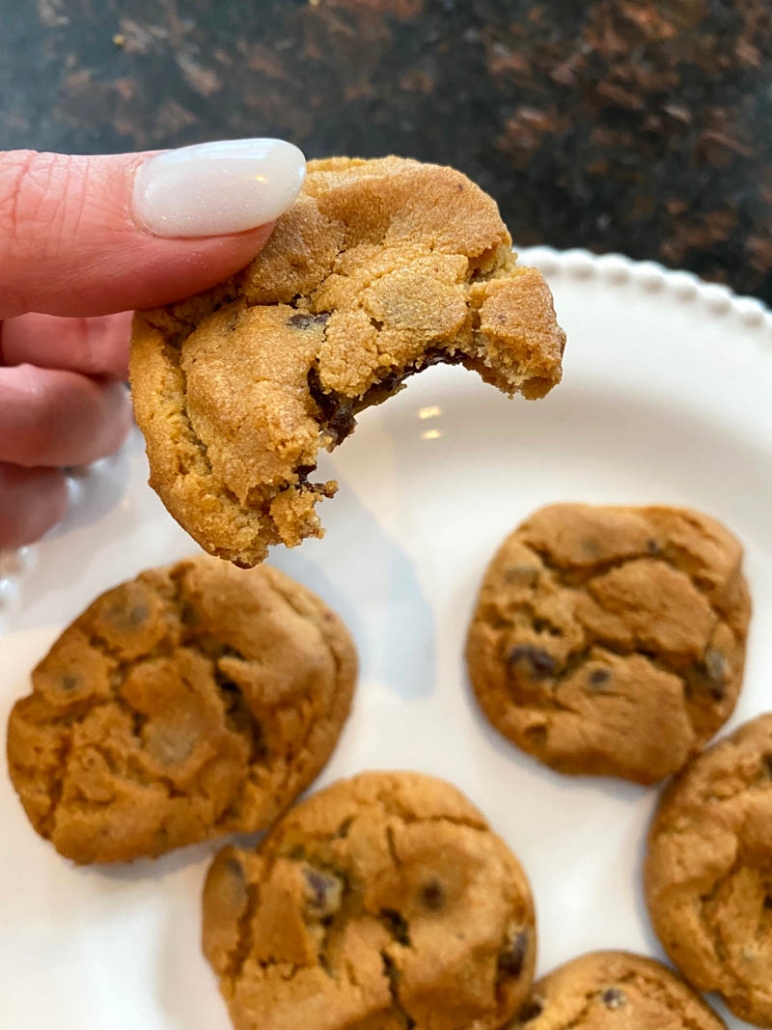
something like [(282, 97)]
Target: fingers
[(95, 346), (31, 502), (49, 419), (57, 418), (94, 235)]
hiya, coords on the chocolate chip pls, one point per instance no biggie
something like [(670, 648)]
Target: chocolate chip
[(306, 320), (318, 887), (391, 382), (137, 615), (336, 410), (397, 925), (439, 357), (323, 892), (69, 682), (653, 547), (512, 958), (433, 895), (190, 616), (532, 1008), (768, 903), (342, 423), (767, 760), (537, 735), (227, 685), (380, 391), (715, 666), (127, 618), (613, 998), (545, 626), (709, 675), (542, 665), (303, 472), (599, 676)]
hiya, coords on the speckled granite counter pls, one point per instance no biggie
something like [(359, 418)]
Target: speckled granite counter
[(630, 125)]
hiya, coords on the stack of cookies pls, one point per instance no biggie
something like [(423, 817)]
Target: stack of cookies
[(200, 700)]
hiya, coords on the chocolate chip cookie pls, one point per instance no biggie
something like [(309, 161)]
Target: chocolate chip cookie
[(708, 871), (193, 701), (380, 269), (611, 640), (382, 903), (614, 990)]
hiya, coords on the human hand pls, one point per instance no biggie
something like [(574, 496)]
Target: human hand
[(83, 242)]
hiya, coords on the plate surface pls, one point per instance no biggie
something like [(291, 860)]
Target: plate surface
[(666, 398)]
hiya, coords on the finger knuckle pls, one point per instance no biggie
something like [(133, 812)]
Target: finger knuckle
[(40, 203), (30, 503), (32, 423)]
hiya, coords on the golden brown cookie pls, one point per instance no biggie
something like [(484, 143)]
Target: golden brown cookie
[(382, 903), (380, 269), (614, 990), (611, 640), (708, 871), (193, 701)]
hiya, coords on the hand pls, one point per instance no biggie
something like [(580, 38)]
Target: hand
[(83, 241)]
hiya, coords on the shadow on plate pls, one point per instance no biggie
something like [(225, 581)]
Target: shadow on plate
[(364, 575)]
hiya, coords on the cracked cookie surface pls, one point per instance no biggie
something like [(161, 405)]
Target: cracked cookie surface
[(611, 640), (193, 701), (708, 871), (614, 990), (382, 903), (379, 270)]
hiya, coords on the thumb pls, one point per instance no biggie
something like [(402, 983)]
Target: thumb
[(94, 235)]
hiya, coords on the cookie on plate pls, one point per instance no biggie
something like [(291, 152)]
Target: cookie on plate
[(708, 871), (193, 701), (383, 902), (611, 640), (614, 990), (379, 270)]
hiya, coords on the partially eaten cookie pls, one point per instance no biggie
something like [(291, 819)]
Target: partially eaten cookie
[(380, 269)]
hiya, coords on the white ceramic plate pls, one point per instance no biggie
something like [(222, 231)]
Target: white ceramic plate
[(667, 397)]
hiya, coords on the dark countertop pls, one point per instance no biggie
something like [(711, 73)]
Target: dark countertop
[(629, 125)]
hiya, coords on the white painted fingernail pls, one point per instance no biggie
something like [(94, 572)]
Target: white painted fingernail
[(213, 189)]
